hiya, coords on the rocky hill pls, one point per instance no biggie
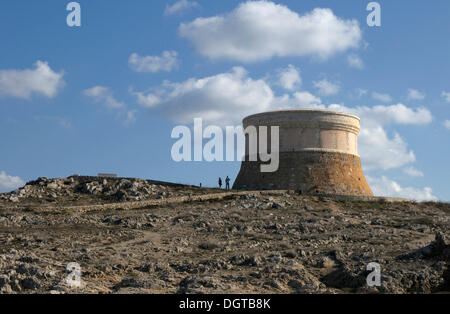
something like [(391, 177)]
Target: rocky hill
[(84, 190), (180, 239)]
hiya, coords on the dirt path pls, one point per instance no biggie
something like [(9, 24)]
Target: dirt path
[(152, 203), (184, 199)]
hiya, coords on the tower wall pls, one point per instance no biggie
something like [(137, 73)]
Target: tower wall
[(318, 154)]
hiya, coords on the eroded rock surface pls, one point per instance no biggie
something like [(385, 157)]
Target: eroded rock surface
[(252, 243)]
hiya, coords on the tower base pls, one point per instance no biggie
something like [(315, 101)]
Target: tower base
[(308, 173)]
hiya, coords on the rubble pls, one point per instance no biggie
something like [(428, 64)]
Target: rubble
[(78, 189)]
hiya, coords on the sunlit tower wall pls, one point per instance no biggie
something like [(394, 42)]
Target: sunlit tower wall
[(318, 154)]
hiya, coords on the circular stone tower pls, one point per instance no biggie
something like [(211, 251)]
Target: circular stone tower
[(318, 154)]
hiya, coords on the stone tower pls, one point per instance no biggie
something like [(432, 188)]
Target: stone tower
[(318, 154)]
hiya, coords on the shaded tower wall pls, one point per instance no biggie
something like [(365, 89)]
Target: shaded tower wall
[(318, 154)]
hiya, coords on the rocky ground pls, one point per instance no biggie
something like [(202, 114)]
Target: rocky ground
[(80, 190), (245, 243)]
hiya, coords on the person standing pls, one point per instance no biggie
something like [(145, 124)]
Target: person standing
[(227, 182), (220, 183)]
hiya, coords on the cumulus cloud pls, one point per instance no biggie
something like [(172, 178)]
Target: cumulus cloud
[(413, 172), (306, 99), (360, 92), (148, 100), (394, 114), (326, 87), (226, 98), (131, 117), (289, 78), (355, 62), (382, 97), (261, 30), (386, 187), (223, 98), (102, 94), (167, 62), (40, 80), (414, 94), (180, 6), (301, 99), (446, 96), (9, 183), (377, 149), (447, 124)]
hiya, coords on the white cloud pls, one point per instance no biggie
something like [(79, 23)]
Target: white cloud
[(261, 30), (414, 94), (386, 187), (147, 100), (226, 98), (447, 124), (382, 97), (167, 62), (377, 149), (289, 78), (413, 172), (355, 62), (222, 99), (360, 92), (131, 117), (180, 6), (306, 99), (102, 94), (394, 114), (9, 183), (446, 96), (326, 87), (24, 83)]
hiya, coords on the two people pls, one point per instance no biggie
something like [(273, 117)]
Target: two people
[(227, 182)]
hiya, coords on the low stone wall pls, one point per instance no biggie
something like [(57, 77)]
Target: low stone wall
[(87, 179), (153, 203)]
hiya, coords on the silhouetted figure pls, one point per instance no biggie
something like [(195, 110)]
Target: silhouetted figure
[(227, 181), (220, 183)]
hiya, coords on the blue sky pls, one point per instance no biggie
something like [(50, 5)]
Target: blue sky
[(104, 97)]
